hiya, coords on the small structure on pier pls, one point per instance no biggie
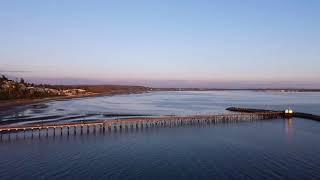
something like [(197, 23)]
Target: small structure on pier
[(288, 113)]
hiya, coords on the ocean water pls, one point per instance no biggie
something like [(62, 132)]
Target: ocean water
[(272, 149)]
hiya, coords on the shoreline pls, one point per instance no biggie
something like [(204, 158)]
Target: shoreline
[(10, 104)]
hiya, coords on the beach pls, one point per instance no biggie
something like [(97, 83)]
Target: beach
[(6, 105)]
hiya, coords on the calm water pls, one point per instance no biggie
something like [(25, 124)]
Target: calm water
[(276, 149)]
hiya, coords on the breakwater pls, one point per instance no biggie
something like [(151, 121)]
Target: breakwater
[(133, 123), (306, 116), (294, 114), (251, 110)]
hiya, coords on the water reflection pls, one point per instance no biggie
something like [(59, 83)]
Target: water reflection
[(289, 128)]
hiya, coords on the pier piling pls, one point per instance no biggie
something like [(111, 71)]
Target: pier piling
[(142, 123)]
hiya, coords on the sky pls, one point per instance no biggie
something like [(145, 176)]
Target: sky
[(163, 43)]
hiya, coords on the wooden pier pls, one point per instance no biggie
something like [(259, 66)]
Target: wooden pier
[(135, 123)]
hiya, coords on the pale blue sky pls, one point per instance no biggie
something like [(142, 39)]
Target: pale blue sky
[(163, 43)]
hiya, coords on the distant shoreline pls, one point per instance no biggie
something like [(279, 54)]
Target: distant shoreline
[(239, 89), (15, 93), (6, 105), (9, 104)]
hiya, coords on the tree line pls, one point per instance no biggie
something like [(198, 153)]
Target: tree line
[(20, 89)]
